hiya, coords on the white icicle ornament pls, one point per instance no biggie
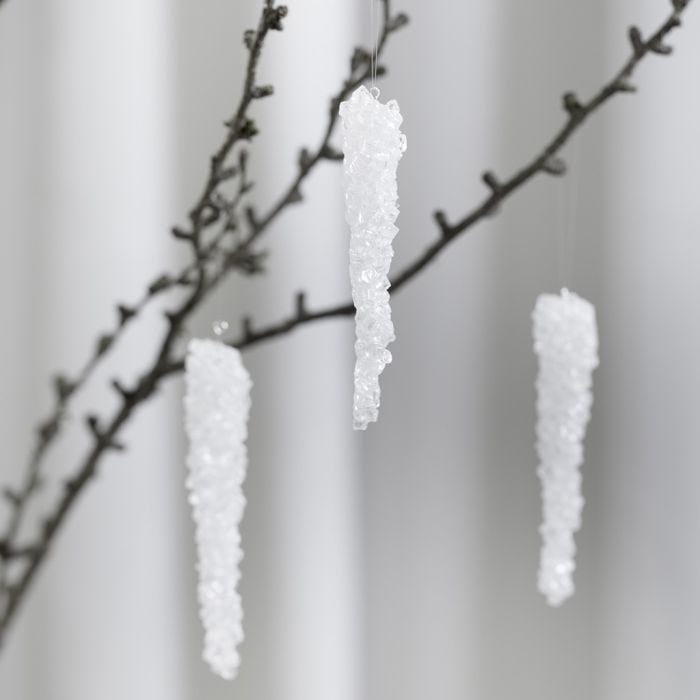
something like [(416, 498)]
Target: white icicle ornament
[(566, 343), (217, 404), (372, 145)]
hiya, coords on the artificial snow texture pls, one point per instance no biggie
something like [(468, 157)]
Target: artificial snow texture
[(566, 342), (372, 145), (217, 404)]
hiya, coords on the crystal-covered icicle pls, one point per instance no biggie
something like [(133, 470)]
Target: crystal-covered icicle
[(566, 342), (217, 404), (372, 145)]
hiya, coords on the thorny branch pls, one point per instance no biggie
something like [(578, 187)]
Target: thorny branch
[(214, 258)]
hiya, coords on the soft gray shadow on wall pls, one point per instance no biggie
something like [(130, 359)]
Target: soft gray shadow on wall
[(528, 650)]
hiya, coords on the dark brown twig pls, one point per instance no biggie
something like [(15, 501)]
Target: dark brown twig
[(547, 161), (212, 208)]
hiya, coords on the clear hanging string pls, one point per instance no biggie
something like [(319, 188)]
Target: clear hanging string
[(374, 48), (568, 219)]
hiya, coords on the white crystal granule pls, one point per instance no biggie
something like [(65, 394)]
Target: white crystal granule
[(566, 343), (217, 405), (372, 145)]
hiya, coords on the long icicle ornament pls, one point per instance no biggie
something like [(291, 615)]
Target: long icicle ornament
[(217, 405), (566, 342), (372, 145)]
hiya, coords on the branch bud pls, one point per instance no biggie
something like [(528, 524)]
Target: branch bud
[(554, 166), (571, 104), (660, 48), (637, 42), (492, 182), (125, 393), (330, 153), (625, 86), (93, 425), (360, 58), (302, 313), (443, 225), (396, 22), (64, 387), (125, 313), (305, 159), (104, 343), (249, 37), (295, 196), (248, 129), (163, 282), (274, 17), (260, 91)]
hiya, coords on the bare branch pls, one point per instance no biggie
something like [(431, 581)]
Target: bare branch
[(211, 208)]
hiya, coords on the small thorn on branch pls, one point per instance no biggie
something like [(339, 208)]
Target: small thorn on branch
[(104, 343), (48, 429), (330, 153), (180, 234), (625, 86), (360, 57), (249, 37), (441, 220), (260, 91), (64, 387), (125, 313), (295, 196), (125, 393), (302, 312), (397, 21), (163, 282), (492, 182), (93, 424), (572, 105), (252, 218), (554, 166), (660, 48), (305, 159), (638, 46)]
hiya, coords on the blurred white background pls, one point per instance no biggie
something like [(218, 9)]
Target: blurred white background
[(399, 564)]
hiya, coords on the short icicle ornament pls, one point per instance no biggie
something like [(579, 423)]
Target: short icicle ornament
[(372, 145), (217, 404), (566, 342)]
